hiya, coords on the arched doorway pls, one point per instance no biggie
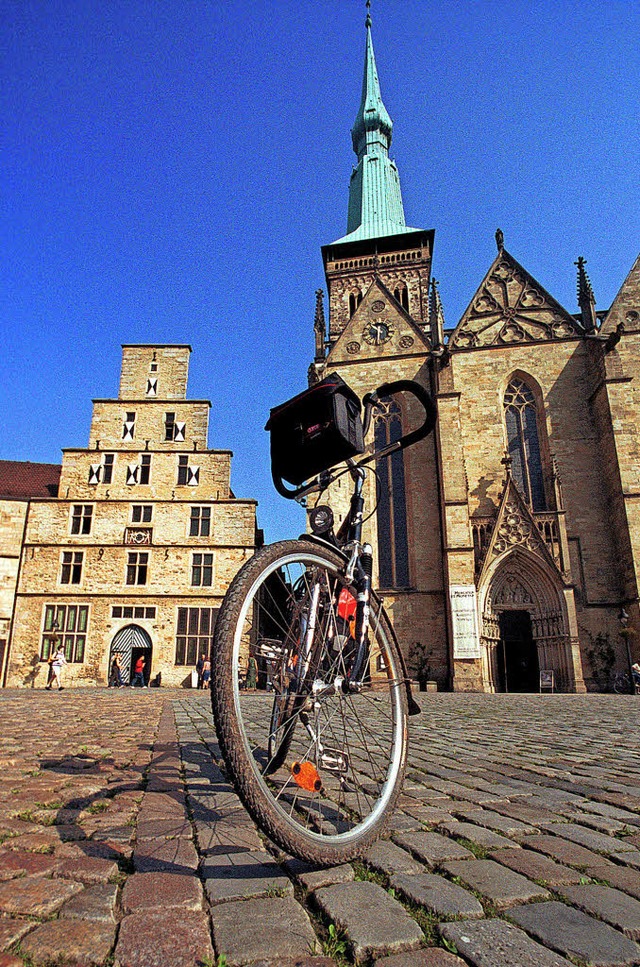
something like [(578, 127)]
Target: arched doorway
[(517, 654), (130, 643), (524, 625)]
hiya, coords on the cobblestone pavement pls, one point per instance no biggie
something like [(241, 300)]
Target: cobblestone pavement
[(516, 843)]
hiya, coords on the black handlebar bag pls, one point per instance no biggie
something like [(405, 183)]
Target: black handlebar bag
[(315, 430)]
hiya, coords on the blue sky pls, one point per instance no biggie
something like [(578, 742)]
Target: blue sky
[(172, 167)]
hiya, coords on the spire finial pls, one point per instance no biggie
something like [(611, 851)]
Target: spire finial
[(367, 22), (499, 239), (320, 328), (586, 298), (436, 316)]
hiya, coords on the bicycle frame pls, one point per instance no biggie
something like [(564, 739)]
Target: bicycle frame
[(358, 556)]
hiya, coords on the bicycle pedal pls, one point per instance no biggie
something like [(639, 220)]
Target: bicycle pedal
[(306, 776), (333, 760)]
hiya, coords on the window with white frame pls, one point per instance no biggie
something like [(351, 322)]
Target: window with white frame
[(141, 513), (202, 570), (102, 472), (81, 518), (66, 625), (129, 426), (137, 567), (188, 475), (173, 429), (139, 473), (200, 523), (71, 570)]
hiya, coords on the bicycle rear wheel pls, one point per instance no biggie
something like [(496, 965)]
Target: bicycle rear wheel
[(318, 767)]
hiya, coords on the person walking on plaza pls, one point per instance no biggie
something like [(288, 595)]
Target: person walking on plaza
[(56, 668), (115, 676), (199, 669), (138, 673), (206, 672), (252, 672)]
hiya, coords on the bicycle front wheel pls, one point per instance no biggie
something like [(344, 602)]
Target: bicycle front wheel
[(318, 766)]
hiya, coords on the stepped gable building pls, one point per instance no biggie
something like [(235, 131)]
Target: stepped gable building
[(508, 543), (136, 548)]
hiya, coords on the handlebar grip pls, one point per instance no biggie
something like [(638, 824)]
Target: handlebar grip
[(284, 491), (423, 397)]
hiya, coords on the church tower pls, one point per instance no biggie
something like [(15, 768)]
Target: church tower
[(378, 243), (379, 330)]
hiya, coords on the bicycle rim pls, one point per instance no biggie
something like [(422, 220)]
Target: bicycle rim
[(323, 784)]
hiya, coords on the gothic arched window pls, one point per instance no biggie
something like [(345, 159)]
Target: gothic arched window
[(401, 293), (393, 553), (523, 443), (355, 298)]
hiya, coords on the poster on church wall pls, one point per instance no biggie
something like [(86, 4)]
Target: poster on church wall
[(464, 618)]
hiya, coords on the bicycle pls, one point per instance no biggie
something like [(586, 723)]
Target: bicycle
[(621, 684), (319, 761)]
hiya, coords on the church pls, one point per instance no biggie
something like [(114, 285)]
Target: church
[(508, 542)]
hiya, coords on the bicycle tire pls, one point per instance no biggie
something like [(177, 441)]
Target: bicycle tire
[(361, 772), (621, 684)]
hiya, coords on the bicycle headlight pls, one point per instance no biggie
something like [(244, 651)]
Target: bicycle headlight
[(321, 519)]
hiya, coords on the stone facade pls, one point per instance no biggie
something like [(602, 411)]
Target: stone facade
[(507, 542), (137, 550), (501, 588)]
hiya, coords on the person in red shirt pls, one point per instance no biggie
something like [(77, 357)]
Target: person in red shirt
[(138, 673)]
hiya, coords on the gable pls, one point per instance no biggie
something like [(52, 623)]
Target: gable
[(515, 527), (379, 327), (511, 307), (625, 308)]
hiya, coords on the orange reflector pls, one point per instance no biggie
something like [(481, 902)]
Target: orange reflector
[(306, 776)]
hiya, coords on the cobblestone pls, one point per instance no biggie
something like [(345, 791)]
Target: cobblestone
[(577, 935), (272, 929), (437, 895), (605, 903), (536, 867), (494, 943), (432, 848), (373, 921), (78, 941), (101, 795)]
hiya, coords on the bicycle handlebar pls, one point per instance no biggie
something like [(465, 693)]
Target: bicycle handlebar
[(371, 401)]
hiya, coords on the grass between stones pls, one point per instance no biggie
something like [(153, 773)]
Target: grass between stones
[(61, 961), (480, 852)]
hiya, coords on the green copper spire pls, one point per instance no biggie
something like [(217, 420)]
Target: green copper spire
[(375, 201)]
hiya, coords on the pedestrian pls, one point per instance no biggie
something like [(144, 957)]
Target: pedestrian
[(252, 672), (138, 673), (199, 669), (115, 676), (635, 671), (56, 668), (206, 673), (50, 671)]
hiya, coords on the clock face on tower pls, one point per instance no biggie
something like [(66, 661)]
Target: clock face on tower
[(377, 332)]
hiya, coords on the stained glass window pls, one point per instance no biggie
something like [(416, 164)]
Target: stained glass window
[(393, 554), (524, 443)]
